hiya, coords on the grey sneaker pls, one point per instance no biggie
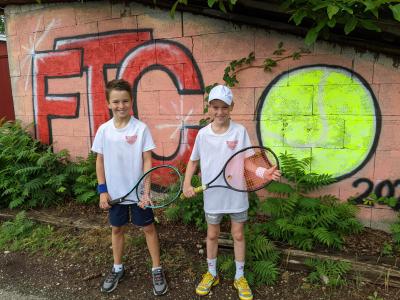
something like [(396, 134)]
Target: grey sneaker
[(160, 285), (111, 281)]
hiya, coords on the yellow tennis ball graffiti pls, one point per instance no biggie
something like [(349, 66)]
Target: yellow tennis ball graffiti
[(326, 112)]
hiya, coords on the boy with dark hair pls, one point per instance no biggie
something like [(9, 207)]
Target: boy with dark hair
[(123, 146)]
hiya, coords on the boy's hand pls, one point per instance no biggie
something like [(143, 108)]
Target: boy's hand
[(104, 198), (188, 191), (145, 201), (272, 173)]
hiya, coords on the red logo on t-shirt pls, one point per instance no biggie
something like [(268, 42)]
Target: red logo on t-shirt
[(131, 139), (232, 144)]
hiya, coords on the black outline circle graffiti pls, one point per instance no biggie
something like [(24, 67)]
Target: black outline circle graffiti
[(262, 102)]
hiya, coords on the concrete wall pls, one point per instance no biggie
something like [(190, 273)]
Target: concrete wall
[(335, 104)]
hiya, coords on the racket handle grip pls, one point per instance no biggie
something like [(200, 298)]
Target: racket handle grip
[(115, 201), (197, 190)]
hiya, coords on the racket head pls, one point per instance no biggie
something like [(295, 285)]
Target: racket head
[(243, 171), (162, 185)]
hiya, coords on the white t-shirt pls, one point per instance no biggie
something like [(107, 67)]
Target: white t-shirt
[(122, 150), (213, 150)]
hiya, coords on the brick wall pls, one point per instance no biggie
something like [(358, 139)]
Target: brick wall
[(336, 104)]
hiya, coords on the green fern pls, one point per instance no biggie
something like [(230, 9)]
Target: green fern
[(226, 265), (190, 211), (266, 271), (304, 221), (84, 188), (312, 181), (173, 213), (395, 230), (298, 172), (327, 238), (279, 188), (261, 256), (31, 174), (328, 272)]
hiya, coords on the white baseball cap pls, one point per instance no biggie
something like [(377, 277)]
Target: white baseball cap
[(221, 92)]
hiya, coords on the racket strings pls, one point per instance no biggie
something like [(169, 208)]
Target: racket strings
[(249, 171), (256, 178), (160, 186)]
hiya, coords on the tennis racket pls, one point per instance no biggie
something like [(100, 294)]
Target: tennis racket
[(247, 170), (160, 185)]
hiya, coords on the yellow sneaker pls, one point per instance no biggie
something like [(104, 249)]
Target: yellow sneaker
[(206, 283), (243, 289)]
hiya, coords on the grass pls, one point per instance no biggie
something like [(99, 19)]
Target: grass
[(22, 234)]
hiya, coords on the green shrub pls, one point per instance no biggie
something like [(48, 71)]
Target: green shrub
[(84, 188), (189, 211), (329, 272), (21, 234), (304, 221), (30, 173), (261, 259)]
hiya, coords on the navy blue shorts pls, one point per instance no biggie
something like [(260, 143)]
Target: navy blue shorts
[(118, 215)]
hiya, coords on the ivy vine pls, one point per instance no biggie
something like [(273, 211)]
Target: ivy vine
[(238, 65)]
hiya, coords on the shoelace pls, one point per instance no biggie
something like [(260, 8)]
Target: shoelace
[(207, 278), (242, 284), (158, 278), (111, 277)]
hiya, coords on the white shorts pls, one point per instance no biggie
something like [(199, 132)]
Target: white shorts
[(214, 219)]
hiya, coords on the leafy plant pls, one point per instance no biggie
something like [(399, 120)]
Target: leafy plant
[(374, 296), (304, 221), (261, 256), (189, 211), (387, 249), (329, 272), (2, 27), (221, 5), (372, 200), (345, 14), (395, 230), (23, 234), (30, 173), (84, 188), (325, 15)]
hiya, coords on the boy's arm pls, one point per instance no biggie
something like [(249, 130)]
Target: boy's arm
[(147, 164), (191, 168), (101, 179)]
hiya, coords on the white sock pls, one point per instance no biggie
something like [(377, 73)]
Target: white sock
[(212, 266), (239, 269), (156, 268), (117, 268)]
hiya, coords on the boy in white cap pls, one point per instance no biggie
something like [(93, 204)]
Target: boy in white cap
[(214, 145)]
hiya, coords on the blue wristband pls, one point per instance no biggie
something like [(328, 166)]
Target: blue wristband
[(102, 188)]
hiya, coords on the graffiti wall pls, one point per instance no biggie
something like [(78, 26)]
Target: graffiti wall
[(334, 104)]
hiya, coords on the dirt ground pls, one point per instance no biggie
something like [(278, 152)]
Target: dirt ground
[(78, 274)]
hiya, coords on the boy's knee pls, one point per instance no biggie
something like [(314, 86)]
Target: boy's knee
[(238, 236), (212, 236), (117, 230), (149, 229)]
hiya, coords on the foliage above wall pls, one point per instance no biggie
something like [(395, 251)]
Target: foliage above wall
[(322, 16), (348, 14), (2, 24)]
